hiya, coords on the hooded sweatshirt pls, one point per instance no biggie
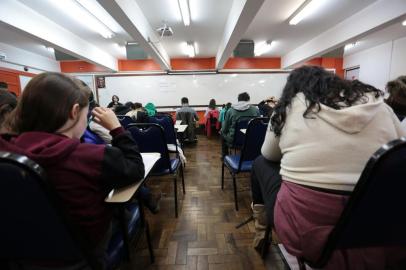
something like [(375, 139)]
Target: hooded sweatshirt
[(82, 174), (242, 108), (330, 148)]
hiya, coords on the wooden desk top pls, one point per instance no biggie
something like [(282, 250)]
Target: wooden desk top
[(124, 194)]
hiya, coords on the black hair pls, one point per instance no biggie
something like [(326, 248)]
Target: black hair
[(244, 97), (212, 104), (184, 100), (397, 95), (319, 87), (3, 85), (228, 105)]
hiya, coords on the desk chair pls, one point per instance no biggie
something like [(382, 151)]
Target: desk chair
[(34, 227), (166, 123), (212, 122), (251, 149), (151, 138), (239, 137), (374, 214), (125, 120)]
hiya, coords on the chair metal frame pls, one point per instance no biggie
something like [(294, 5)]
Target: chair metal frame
[(242, 155), (165, 155)]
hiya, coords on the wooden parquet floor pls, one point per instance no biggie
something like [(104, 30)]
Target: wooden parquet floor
[(204, 236)]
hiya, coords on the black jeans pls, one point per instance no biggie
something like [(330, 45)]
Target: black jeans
[(265, 184)]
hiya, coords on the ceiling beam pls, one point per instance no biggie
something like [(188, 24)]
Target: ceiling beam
[(37, 26), (366, 21), (131, 18), (240, 17)]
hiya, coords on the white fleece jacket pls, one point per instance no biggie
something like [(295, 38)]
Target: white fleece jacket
[(331, 150)]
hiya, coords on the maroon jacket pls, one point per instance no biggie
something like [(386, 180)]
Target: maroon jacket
[(82, 174)]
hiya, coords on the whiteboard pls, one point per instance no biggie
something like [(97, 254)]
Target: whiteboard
[(167, 90)]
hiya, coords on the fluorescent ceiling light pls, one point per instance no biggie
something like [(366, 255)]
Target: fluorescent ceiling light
[(307, 8), (93, 7), (350, 46), (50, 49), (404, 23), (262, 47), (184, 11), (83, 16), (189, 48)]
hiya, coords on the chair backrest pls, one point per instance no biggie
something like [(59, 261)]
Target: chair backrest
[(167, 123), (239, 137), (254, 138), (374, 214), (91, 137), (150, 137), (125, 120), (32, 226)]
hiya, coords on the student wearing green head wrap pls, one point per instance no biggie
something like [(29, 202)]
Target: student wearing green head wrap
[(150, 108)]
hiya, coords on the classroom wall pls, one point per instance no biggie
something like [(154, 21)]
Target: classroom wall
[(18, 58), (379, 64), (15, 79)]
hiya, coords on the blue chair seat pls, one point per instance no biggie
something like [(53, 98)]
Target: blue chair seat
[(175, 163), (116, 250), (232, 162)]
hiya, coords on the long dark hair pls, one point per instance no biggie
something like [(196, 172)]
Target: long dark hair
[(47, 101), (212, 104), (319, 87)]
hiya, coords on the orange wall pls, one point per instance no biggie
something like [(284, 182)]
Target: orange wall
[(193, 63), (12, 78), (80, 66), (327, 62), (253, 63), (138, 65)]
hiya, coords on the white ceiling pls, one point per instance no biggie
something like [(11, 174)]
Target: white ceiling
[(50, 9), (208, 20), (272, 22)]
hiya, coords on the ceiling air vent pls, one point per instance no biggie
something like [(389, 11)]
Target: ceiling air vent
[(245, 48)]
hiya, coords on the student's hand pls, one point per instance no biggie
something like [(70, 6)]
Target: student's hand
[(106, 118)]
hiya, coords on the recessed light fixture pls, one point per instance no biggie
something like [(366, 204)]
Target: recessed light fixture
[(189, 48), (184, 11), (262, 47), (350, 46), (308, 7), (404, 23), (78, 11)]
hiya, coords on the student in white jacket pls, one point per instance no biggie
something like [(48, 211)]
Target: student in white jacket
[(321, 134)]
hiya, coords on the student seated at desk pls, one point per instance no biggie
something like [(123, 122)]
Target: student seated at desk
[(46, 126), (241, 108), (323, 131), (189, 117), (138, 113)]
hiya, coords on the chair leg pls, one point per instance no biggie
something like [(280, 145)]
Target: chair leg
[(151, 250), (175, 192), (266, 243), (183, 179), (235, 192), (222, 175)]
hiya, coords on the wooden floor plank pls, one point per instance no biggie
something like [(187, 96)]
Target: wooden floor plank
[(204, 235)]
